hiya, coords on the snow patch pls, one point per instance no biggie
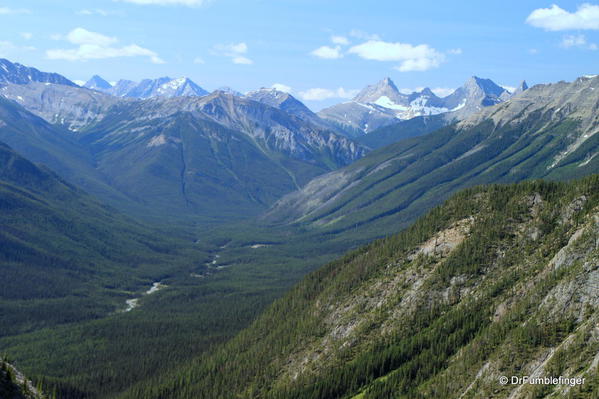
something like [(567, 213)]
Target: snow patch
[(157, 141), (386, 102), (585, 162)]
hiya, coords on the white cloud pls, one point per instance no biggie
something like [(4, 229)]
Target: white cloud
[(360, 34), (7, 47), (26, 35), (412, 58), (97, 11), (329, 53), (199, 60), (84, 36), (281, 87), (7, 11), (511, 89), (79, 82), (533, 51), (556, 18), (342, 40), (320, 94), (579, 41), (93, 45), (455, 51), (235, 51), (242, 60), (189, 3)]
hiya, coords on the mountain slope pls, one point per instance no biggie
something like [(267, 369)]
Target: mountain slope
[(54, 147), (549, 131), (67, 257), (500, 280)]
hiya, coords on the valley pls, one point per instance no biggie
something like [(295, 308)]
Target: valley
[(166, 242)]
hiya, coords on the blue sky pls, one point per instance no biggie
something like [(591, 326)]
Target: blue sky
[(323, 50)]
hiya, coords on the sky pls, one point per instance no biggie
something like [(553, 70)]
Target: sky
[(321, 51)]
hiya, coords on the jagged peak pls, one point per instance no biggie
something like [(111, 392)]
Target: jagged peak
[(97, 82)]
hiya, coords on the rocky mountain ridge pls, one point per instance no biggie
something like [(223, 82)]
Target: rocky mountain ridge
[(383, 104), (549, 131), (147, 88)]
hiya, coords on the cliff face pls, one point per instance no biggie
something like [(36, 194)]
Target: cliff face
[(14, 385), (501, 281)]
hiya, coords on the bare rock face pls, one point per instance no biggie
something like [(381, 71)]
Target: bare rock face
[(69, 106)]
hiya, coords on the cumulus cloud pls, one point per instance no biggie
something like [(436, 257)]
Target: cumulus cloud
[(320, 94), (79, 82), (556, 18), (341, 40), (327, 52), (579, 41), (93, 45), (189, 3), (235, 51), (455, 51), (411, 58), (281, 87)]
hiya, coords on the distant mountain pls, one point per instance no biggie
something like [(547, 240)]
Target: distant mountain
[(122, 87), (20, 74), (289, 104), (521, 88), (69, 106), (212, 156), (97, 83), (131, 152), (229, 90), (180, 87), (383, 104), (147, 88), (549, 131)]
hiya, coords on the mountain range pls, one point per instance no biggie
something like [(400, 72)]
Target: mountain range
[(549, 131), (241, 196), (217, 154), (383, 104), (161, 87)]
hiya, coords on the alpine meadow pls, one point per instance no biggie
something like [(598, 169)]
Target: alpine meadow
[(224, 199)]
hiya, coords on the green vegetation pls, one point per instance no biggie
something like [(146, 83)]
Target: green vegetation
[(384, 321), (394, 185), (403, 130)]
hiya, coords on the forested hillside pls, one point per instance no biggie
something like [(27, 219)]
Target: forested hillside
[(499, 281)]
